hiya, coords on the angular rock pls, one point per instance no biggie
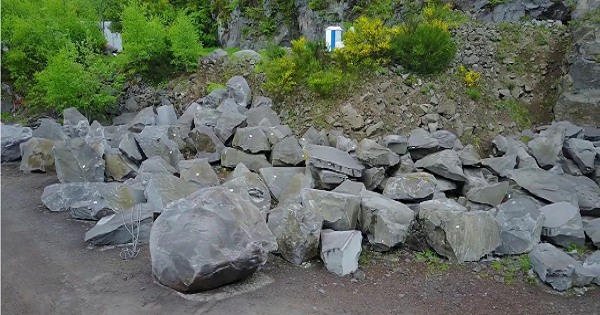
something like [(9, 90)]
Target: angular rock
[(500, 144), (340, 142), (206, 143), (557, 268), (206, 117), (231, 157), (75, 124), (227, 125), (441, 204), (398, 144), (327, 179), (312, 136), (278, 178), (129, 147), (490, 195), (443, 184), (239, 91), (256, 115), (410, 187), (340, 251), (592, 230), (445, 163), (96, 139), (372, 177), (114, 134), (500, 165), (120, 228), (545, 185), (469, 156), (298, 183), (186, 119), (385, 222), (251, 140), (250, 186), (154, 141), (518, 148), (260, 101), (48, 129), (118, 166), (350, 187), (406, 166), (520, 224), (124, 119), (563, 225), (76, 161), (12, 137), (163, 189), (460, 236), (568, 166), (287, 152), (37, 155), (235, 241), (339, 211), (239, 170), (145, 117), (375, 155), (547, 146), (156, 165), (332, 159), (297, 231), (588, 194), (198, 171), (166, 115), (277, 133), (592, 265), (229, 105), (582, 152), (447, 140), (421, 143)]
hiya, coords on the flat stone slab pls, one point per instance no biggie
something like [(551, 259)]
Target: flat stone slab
[(231, 157), (333, 159), (278, 178), (563, 225), (339, 211), (410, 187), (545, 185), (120, 228)]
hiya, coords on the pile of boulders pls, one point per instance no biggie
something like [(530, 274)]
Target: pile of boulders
[(151, 178)]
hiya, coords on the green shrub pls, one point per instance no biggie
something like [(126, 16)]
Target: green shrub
[(368, 45), (274, 51), (213, 86), (474, 93), (428, 49), (280, 76), (185, 46), (324, 83)]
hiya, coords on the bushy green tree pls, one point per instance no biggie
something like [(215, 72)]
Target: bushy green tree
[(185, 44)]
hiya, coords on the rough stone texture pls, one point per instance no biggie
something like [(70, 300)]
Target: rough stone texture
[(440, 204), (375, 155), (398, 144), (156, 165), (235, 241), (372, 177), (115, 229), (260, 101), (443, 184), (76, 161), (163, 189), (154, 141), (588, 194), (469, 156), (297, 183), (75, 124), (11, 138), (277, 133), (278, 178), (145, 117), (130, 148), (239, 170), (256, 115), (239, 91), (250, 186), (96, 139), (582, 152), (545, 185), (37, 155), (312, 136), (500, 165), (338, 141), (547, 146), (206, 143), (421, 143), (350, 187), (206, 117), (445, 163), (91, 201), (287, 152), (592, 266), (325, 179), (340, 251), (166, 115), (447, 140), (231, 157), (460, 236), (297, 231), (251, 140), (563, 225), (118, 166), (332, 159), (410, 187), (592, 230), (520, 224), (198, 171), (339, 211), (48, 129), (406, 166), (557, 268), (385, 222), (492, 194)]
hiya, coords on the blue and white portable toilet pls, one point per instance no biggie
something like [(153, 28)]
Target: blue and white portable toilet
[(333, 38)]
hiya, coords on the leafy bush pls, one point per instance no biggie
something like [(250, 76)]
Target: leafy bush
[(443, 15), (474, 93), (324, 83), (274, 51), (185, 46), (368, 44), (428, 49), (472, 78), (280, 76)]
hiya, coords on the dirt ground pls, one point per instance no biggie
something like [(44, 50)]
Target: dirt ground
[(47, 268)]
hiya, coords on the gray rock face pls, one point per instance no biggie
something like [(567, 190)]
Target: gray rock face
[(49, 129), (447, 140), (520, 224), (398, 144), (118, 166), (490, 195), (75, 124), (12, 137), (325, 179), (156, 165), (421, 143), (154, 141), (340, 251), (406, 166), (547, 146), (129, 147), (500, 165), (500, 144), (445, 163), (545, 185), (339, 211), (441, 204), (37, 155), (385, 222), (287, 152), (297, 231), (166, 115), (469, 156), (332, 159), (218, 56), (350, 187), (229, 105), (206, 117), (410, 187), (563, 225), (198, 171), (114, 229), (375, 155), (206, 144), (372, 177), (145, 117), (234, 243), (227, 124), (256, 115), (557, 268), (592, 265), (250, 186), (91, 201), (260, 101), (297, 183), (338, 141), (76, 161), (251, 140), (278, 178), (592, 230), (277, 133), (582, 152), (96, 139), (460, 236), (163, 189), (239, 91), (231, 157), (588, 194), (312, 136), (239, 170)]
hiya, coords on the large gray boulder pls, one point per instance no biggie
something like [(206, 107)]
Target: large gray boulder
[(277, 133), (588, 194), (460, 236), (333, 159), (557, 268), (206, 117), (205, 143), (592, 230), (421, 143), (385, 222), (37, 155), (76, 161), (372, 177), (163, 189), (547, 146), (156, 165), (469, 156), (312, 136), (340, 251), (563, 225), (445, 163), (234, 242), (592, 265), (119, 167), (500, 165), (278, 178), (227, 124), (49, 129), (297, 230), (74, 123), (256, 115), (296, 184), (95, 138), (582, 152), (146, 117), (128, 145), (165, 115), (11, 138), (374, 154), (251, 187), (410, 187), (545, 185), (491, 194), (520, 149), (339, 211), (91, 201), (440, 204), (398, 144), (123, 227), (154, 141), (239, 91), (287, 152), (251, 140), (199, 172), (520, 224), (231, 157)]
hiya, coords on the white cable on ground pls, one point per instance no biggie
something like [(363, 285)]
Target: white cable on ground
[(132, 252)]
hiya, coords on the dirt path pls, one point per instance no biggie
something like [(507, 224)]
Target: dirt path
[(48, 269)]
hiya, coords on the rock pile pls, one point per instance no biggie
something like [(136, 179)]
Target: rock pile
[(319, 194)]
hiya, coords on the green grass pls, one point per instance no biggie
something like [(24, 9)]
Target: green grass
[(524, 262), (474, 93), (365, 257), (207, 50), (435, 265), (13, 119), (519, 112), (213, 86)]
